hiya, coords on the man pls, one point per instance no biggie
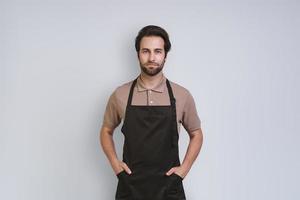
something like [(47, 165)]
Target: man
[(152, 109)]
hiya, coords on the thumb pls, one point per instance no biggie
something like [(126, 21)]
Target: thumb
[(126, 168), (171, 171)]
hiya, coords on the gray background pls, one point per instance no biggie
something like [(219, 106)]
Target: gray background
[(60, 60)]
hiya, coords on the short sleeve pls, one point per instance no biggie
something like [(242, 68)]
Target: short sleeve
[(112, 117), (190, 118)]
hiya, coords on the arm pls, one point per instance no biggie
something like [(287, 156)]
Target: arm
[(108, 146), (195, 144)]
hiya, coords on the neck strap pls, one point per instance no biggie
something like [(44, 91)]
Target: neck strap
[(171, 95)]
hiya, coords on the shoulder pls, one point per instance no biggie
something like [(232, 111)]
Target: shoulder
[(180, 91), (122, 91)]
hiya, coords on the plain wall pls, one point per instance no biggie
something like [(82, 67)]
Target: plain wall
[(60, 60)]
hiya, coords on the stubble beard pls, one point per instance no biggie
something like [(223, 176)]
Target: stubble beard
[(152, 71)]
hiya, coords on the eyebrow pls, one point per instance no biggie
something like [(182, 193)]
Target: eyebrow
[(154, 49)]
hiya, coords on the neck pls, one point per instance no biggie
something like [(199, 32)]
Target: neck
[(151, 81)]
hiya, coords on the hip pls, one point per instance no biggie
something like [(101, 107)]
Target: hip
[(154, 186)]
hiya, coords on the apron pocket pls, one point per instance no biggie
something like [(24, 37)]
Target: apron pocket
[(178, 176), (123, 189), (175, 188), (120, 173)]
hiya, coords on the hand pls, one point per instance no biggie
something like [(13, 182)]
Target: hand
[(179, 170), (120, 166)]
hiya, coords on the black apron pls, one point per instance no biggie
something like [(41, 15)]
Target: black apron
[(150, 150)]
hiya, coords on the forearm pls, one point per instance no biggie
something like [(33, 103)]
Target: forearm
[(108, 146), (194, 147)]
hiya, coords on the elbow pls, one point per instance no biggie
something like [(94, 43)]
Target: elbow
[(197, 135)]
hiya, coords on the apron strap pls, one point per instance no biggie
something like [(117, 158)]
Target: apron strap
[(171, 95), (174, 117), (129, 101)]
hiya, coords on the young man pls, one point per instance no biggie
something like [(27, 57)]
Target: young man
[(152, 109)]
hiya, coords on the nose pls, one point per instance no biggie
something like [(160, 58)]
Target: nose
[(152, 57)]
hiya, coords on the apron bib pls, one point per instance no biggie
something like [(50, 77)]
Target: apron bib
[(150, 149)]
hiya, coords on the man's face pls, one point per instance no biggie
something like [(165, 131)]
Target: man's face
[(151, 55)]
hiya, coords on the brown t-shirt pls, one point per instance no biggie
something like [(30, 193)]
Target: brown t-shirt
[(185, 106)]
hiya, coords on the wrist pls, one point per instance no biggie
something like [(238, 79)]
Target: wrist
[(186, 167), (114, 161)]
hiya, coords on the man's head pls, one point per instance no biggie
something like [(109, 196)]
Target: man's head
[(152, 45), (152, 30)]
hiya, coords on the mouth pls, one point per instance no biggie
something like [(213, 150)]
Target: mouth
[(152, 64)]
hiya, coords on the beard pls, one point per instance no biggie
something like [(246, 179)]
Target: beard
[(151, 71)]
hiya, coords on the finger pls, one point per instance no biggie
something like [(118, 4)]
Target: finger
[(119, 171), (126, 168), (118, 167)]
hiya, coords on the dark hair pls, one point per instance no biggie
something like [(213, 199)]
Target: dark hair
[(152, 30)]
